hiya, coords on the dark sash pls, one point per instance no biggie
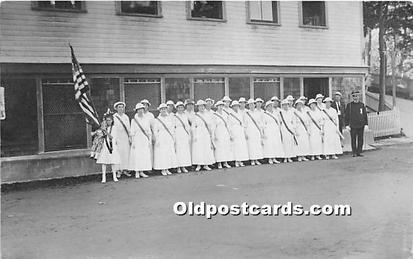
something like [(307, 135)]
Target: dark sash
[(301, 120), (255, 123), (276, 121), (288, 129), (313, 120), (226, 111), (166, 128), (235, 117), (140, 126), (123, 124), (206, 126), (183, 124), (225, 123), (109, 143), (335, 124)]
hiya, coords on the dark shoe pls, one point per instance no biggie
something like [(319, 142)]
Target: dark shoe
[(354, 155), (360, 155)]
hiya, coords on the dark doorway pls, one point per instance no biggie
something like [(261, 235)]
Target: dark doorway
[(314, 86)]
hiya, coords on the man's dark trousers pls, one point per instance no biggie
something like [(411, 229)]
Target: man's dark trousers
[(357, 135)]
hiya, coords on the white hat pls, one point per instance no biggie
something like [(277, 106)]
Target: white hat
[(235, 102), (219, 103), (242, 100), (285, 101), (226, 98), (170, 102), (328, 99), (268, 103), (311, 101), (319, 96), (303, 98), (146, 101), (337, 93), (189, 101), (250, 101), (139, 106), (259, 100), (209, 100), (118, 103), (299, 101), (289, 98), (200, 102), (179, 103), (275, 98), (162, 105)]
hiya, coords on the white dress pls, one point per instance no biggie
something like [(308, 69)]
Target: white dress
[(164, 147), (302, 126), (239, 143), (106, 157), (287, 128), (273, 146), (202, 147), (316, 139), (332, 143), (223, 147), (183, 140), (253, 133), (121, 129), (140, 158)]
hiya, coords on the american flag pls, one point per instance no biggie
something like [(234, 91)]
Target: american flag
[(82, 93)]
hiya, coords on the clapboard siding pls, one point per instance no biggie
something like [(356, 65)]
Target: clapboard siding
[(101, 36)]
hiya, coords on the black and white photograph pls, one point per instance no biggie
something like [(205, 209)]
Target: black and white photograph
[(206, 129)]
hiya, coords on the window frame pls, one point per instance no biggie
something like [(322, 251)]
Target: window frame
[(159, 10), (300, 17), (249, 21), (36, 7), (189, 17)]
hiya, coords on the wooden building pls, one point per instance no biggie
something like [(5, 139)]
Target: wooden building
[(158, 51)]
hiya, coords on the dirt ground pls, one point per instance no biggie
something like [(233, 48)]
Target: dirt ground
[(134, 218)]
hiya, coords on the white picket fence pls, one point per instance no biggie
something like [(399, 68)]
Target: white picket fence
[(385, 123)]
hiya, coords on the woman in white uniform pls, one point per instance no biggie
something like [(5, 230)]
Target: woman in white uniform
[(288, 132), (109, 154), (121, 129), (222, 137), (316, 130), (332, 143), (183, 138), (164, 147), (239, 143), (303, 135), (271, 134), (140, 158), (253, 133), (202, 141)]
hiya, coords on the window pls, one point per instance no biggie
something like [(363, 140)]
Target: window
[(177, 89), (21, 109), (313, 13), (314, 86), (263, 12), (209, 87), (70, 6), (292, 87), (137, 89), (266, 88), (64, 122), (140, 8), (206, 10), (104, 93), (239, 87)]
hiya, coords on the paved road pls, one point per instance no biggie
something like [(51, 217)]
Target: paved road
[(136, 219)]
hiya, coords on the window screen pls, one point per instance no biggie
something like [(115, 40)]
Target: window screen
[(239, 87), (104, 92), (209, 87), (292, 87), (177, 89), (137, 89), (266, 88), (314, 13)]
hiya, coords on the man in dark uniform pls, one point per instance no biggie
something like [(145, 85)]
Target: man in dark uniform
[(340, 107), (356, 122)]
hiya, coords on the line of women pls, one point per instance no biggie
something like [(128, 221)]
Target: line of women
[(222, 134)]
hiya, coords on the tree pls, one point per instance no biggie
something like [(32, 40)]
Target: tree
[(394, 22)]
